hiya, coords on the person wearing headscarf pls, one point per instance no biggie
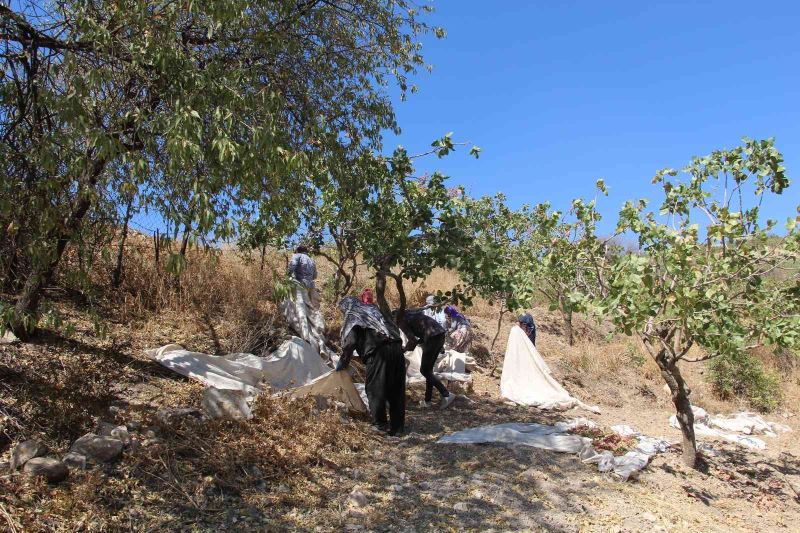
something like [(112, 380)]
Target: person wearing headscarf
[(528, 326), (422, 329), (436, 313), (367, 297), (378, 342), (459, 330), (302, 311)]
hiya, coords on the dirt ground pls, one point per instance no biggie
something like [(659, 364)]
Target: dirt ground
[(370, 482), (415, 484)]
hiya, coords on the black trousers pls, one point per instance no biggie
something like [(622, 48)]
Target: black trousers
[(430, 352), (386, 383)]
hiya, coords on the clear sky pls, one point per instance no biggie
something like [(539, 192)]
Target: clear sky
[(559, 94)]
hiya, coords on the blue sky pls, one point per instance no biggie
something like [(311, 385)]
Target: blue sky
[(559, 94)]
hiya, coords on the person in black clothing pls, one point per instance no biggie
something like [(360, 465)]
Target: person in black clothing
[(378, 342), (422, 329)]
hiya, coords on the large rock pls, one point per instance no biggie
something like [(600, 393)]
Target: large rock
[(75, 461), (51, 469), (226, 404), (97, 449), (25, 451)]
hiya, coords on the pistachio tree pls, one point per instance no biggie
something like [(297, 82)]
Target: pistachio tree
[(489, 268), (711, 271), (556, 258), (222, 109)]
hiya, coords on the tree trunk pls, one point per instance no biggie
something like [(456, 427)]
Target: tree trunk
[(380, 292), (11, 275), (496, 336), (23, 322), (185, 239), (499, 324), (116, 276), (157, 247), (680, 397), (401, 293), (566, 315), (263, 255)]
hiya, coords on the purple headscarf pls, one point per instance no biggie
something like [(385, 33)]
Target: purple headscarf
[(453, 313)]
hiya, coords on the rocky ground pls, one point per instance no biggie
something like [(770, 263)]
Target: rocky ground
[(299, 467)]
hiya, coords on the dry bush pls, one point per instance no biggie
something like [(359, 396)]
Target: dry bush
[(199, 474)]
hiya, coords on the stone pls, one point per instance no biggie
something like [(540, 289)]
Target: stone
[(133, 425), (461, 507), (118, 432), (396, 488), (8, 338), (357, 499), (51, 469), (75, 461), (25, 451), (98, 449), (169, 415), (226, 404)]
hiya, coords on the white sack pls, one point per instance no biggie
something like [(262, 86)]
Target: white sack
[(527, 380)]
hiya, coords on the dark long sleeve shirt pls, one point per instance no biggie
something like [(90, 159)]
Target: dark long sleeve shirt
[(363, 340), (419, 327)]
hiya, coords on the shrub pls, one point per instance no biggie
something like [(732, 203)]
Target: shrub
[(743, 375)]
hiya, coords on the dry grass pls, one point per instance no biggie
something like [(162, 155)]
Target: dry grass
[(206, 474)]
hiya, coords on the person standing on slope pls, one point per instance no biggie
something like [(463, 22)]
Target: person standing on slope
[(527, 325), (378, 342), (304, 314), (424, 330)]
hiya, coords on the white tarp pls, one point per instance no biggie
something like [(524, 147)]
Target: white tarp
[(294, 363), (527, 379), (336, 385), (738, 428), (557, 438), (451, 365), (536, 435)]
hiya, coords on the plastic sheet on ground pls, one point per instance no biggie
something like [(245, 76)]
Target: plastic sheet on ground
[(536, 435), (450, 366), (527, 379), (295, 365), (738, 428), (557, 438), (338, 386)]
